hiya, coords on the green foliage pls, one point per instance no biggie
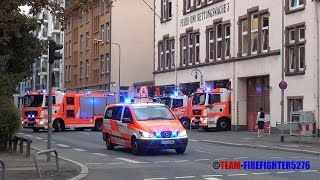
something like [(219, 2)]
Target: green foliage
[(10, 118)]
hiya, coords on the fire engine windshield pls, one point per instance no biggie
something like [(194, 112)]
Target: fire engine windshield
[(145, 113), (33, 100), (199, 99)]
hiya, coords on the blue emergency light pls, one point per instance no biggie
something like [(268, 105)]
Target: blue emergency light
[(127, 101)]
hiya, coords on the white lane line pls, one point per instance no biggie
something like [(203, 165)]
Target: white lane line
[(20, 133), (261, 173), (211, 178), (309, 171), (202, 160), (214, 175), (212, 153), (237, 174), (93, 163), (285, 172), (77, 149), (275, 157), (116, 163), (28, 135), (83, 133), (241, 158), (99, 154), (181, 161), (310, 157), (295, 157), (193, 140), (161, 161), (45, 140), (220, 159), (155, 178), (38, 137), (184, 177), (130, 160), (62, 145)]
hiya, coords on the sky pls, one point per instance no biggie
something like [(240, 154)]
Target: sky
[(25, 9)]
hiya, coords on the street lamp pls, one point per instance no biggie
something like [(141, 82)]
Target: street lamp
[(119, 67), (196, 76)]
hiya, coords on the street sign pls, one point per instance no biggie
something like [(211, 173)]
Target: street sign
[(283, 85)]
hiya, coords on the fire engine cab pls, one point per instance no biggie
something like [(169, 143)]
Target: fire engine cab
[(212, 109), (70, 109)]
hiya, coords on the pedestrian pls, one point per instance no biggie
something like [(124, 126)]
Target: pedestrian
[(260, 122)]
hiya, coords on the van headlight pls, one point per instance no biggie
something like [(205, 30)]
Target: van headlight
[(183, 133), (145, 134)]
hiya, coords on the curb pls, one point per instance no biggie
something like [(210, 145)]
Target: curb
[(262, 147), (84, 168)]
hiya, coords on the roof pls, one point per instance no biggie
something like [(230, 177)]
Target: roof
[(142, 104)]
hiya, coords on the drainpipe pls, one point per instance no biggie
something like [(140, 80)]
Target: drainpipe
[(318, 67), (154, 41), (110, 40), (233, 82), (177, 44)]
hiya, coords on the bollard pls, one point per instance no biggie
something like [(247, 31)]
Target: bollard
[(21, 145), (28, 147), (10, 144), (15, 143), (4, 170)]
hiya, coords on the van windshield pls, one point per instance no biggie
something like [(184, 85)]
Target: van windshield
[(145, 113)]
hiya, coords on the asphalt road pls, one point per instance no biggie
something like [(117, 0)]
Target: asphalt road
[(87, 147)]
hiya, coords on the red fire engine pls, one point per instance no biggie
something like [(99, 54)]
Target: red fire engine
[(212, 109), (71, 109)]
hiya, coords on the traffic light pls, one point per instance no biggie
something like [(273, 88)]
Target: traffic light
[(53, 55)]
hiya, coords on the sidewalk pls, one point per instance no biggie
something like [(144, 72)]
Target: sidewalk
[(250, 139), (20, 167)]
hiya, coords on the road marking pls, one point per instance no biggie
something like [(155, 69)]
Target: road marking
[(82, 150), (184, 177), (237, 174), (161, 161), (45, 140), (215, 175), (202, 160), (83, 133), (62, 145), (20, 133), (155, 178), (93, 163), (211, 178), (295, 157), (241, 158), (220, 159), (309, 171), (193, 140), (262, 173), (116, 163), (275, 157), (38, 138), (212, 153), (28, 135), (285, 172), (310, 158), (181, 161), (130, 160), (99, 154)]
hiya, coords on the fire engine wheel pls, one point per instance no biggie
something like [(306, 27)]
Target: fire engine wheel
[(35, 129), (180, 150), (185, 123), (97, 125), (109, 144), (56, 125), (224, 124), (135, 147)]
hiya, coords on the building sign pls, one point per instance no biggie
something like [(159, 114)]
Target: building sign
[(215, 11)]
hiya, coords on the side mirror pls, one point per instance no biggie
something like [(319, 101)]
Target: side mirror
[(45, 107), (127, 120)]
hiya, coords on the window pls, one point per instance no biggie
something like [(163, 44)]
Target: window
[(116, 113), (82, 17), (295, 49), (69, 49), (227, 42), (167, 57), (255, 40), (87, 40), (190, 48), (81, 69), (211, 45), (169, 9), (197, 48), (87, 68), (188, 5), (109, 112), (107, 63), (87, 15), (107, 32), (254, 33), (161, 56), (166, 11), (102, 6), (294, 104), (244, 49), (81, 42), (66, 49), (218, 41), (69, 78), (295, 4), (102, 34), (127, 113), (198, 3), (70, 101), (265, 33), (102, 64), (172, 53), (209, 1), (184, 51)]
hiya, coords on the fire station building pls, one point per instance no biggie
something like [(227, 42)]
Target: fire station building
[(240, 42)]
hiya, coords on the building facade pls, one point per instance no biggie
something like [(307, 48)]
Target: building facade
[(239, 43), (99, 35)]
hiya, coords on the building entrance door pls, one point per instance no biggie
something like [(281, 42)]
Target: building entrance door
[(257, 96)]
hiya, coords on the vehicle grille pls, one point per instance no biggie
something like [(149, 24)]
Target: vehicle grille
[(197, 112), (164, 134), (35, 113)]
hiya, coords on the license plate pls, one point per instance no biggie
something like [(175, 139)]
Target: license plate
[(31, 124), (167, 142)]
